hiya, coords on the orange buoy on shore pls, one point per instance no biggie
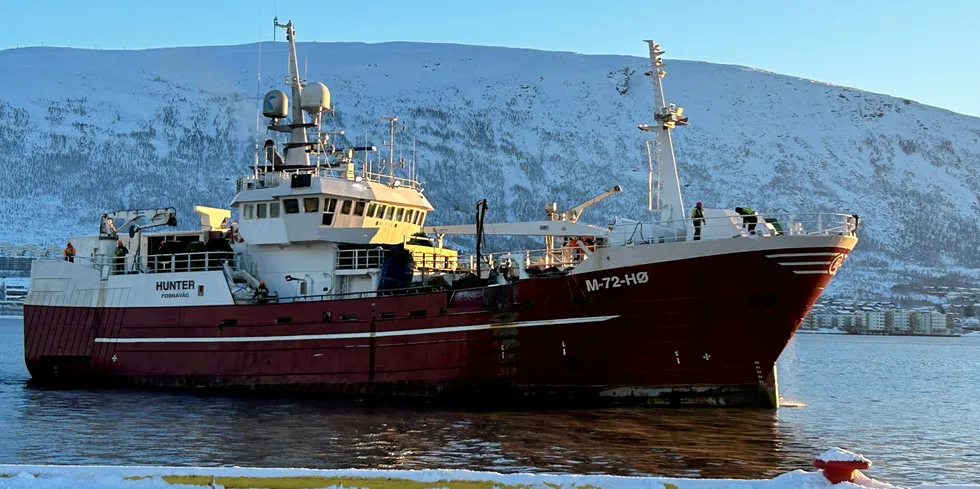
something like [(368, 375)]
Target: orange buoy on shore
[(840, 465)]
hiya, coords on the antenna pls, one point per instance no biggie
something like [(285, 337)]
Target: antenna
[(412, 170), (366, 168), (401, 152), (391, 146), (258, 96)]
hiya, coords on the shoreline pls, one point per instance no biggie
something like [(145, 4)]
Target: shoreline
[(845, 333)]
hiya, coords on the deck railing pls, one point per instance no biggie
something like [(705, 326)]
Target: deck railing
[(270, 179), (391, 180), (435, 261), (736, 226), (179, 262), (98, 262), (360, 259), (559, 257), (769, 226), (373, 258), (189, 262)]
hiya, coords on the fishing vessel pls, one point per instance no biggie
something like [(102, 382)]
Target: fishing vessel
[(324, 275)]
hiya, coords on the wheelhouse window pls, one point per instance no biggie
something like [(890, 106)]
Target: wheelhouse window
[(274, 210), (262, 211), (389, 212), (311, 204), (291, 206), (248, 212), (410, 216), (418, 218), (381, 212), (345, 208), (329, 208), (422, 220), (359, 208), (371, 208), (398, 214)]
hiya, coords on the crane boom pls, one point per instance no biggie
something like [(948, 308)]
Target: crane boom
[(572, 215), (157, 217)]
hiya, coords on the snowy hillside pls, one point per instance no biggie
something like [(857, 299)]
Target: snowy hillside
[(82, 132)]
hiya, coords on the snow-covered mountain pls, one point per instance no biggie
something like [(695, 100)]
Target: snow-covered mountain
[(83, 132)]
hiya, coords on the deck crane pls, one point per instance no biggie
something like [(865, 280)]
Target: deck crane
[(157, 217), (572, 215), (573, 249)]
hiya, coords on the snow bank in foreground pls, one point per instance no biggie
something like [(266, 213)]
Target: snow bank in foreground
[(85, 477)]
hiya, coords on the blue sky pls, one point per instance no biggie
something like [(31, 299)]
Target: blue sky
[(925, 51)]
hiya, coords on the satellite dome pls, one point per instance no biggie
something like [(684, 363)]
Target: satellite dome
[(316, 98), (275, 105)]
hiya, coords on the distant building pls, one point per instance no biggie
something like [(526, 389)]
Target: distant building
[(879, 320), (897, 321), (825, 321), (939, 323), (921, 323), (841, 321), (931, 323), (15, 263), (875, 321), (853, 323)]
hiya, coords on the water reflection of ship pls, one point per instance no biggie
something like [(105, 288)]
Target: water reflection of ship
[(678, 443), (146, 427)]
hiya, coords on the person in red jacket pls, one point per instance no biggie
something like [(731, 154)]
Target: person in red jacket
[(69, 253)]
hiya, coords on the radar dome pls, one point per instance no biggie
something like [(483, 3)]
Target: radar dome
[(275, 105), (316, 98)]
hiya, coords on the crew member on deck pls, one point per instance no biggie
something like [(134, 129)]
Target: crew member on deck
[(195, 254), (163, 262), (749, 217), (697, 215), (262, 293), (121, 252), (70, 253)]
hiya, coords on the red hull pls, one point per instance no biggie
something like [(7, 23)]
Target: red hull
[(709, 334)]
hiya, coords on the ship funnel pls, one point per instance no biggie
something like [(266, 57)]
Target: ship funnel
[(275, 105), (315, 98)]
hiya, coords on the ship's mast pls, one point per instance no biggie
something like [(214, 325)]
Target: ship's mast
[(391, 147), (666, 117), (296, 149), (258, 110), (653, 163)]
